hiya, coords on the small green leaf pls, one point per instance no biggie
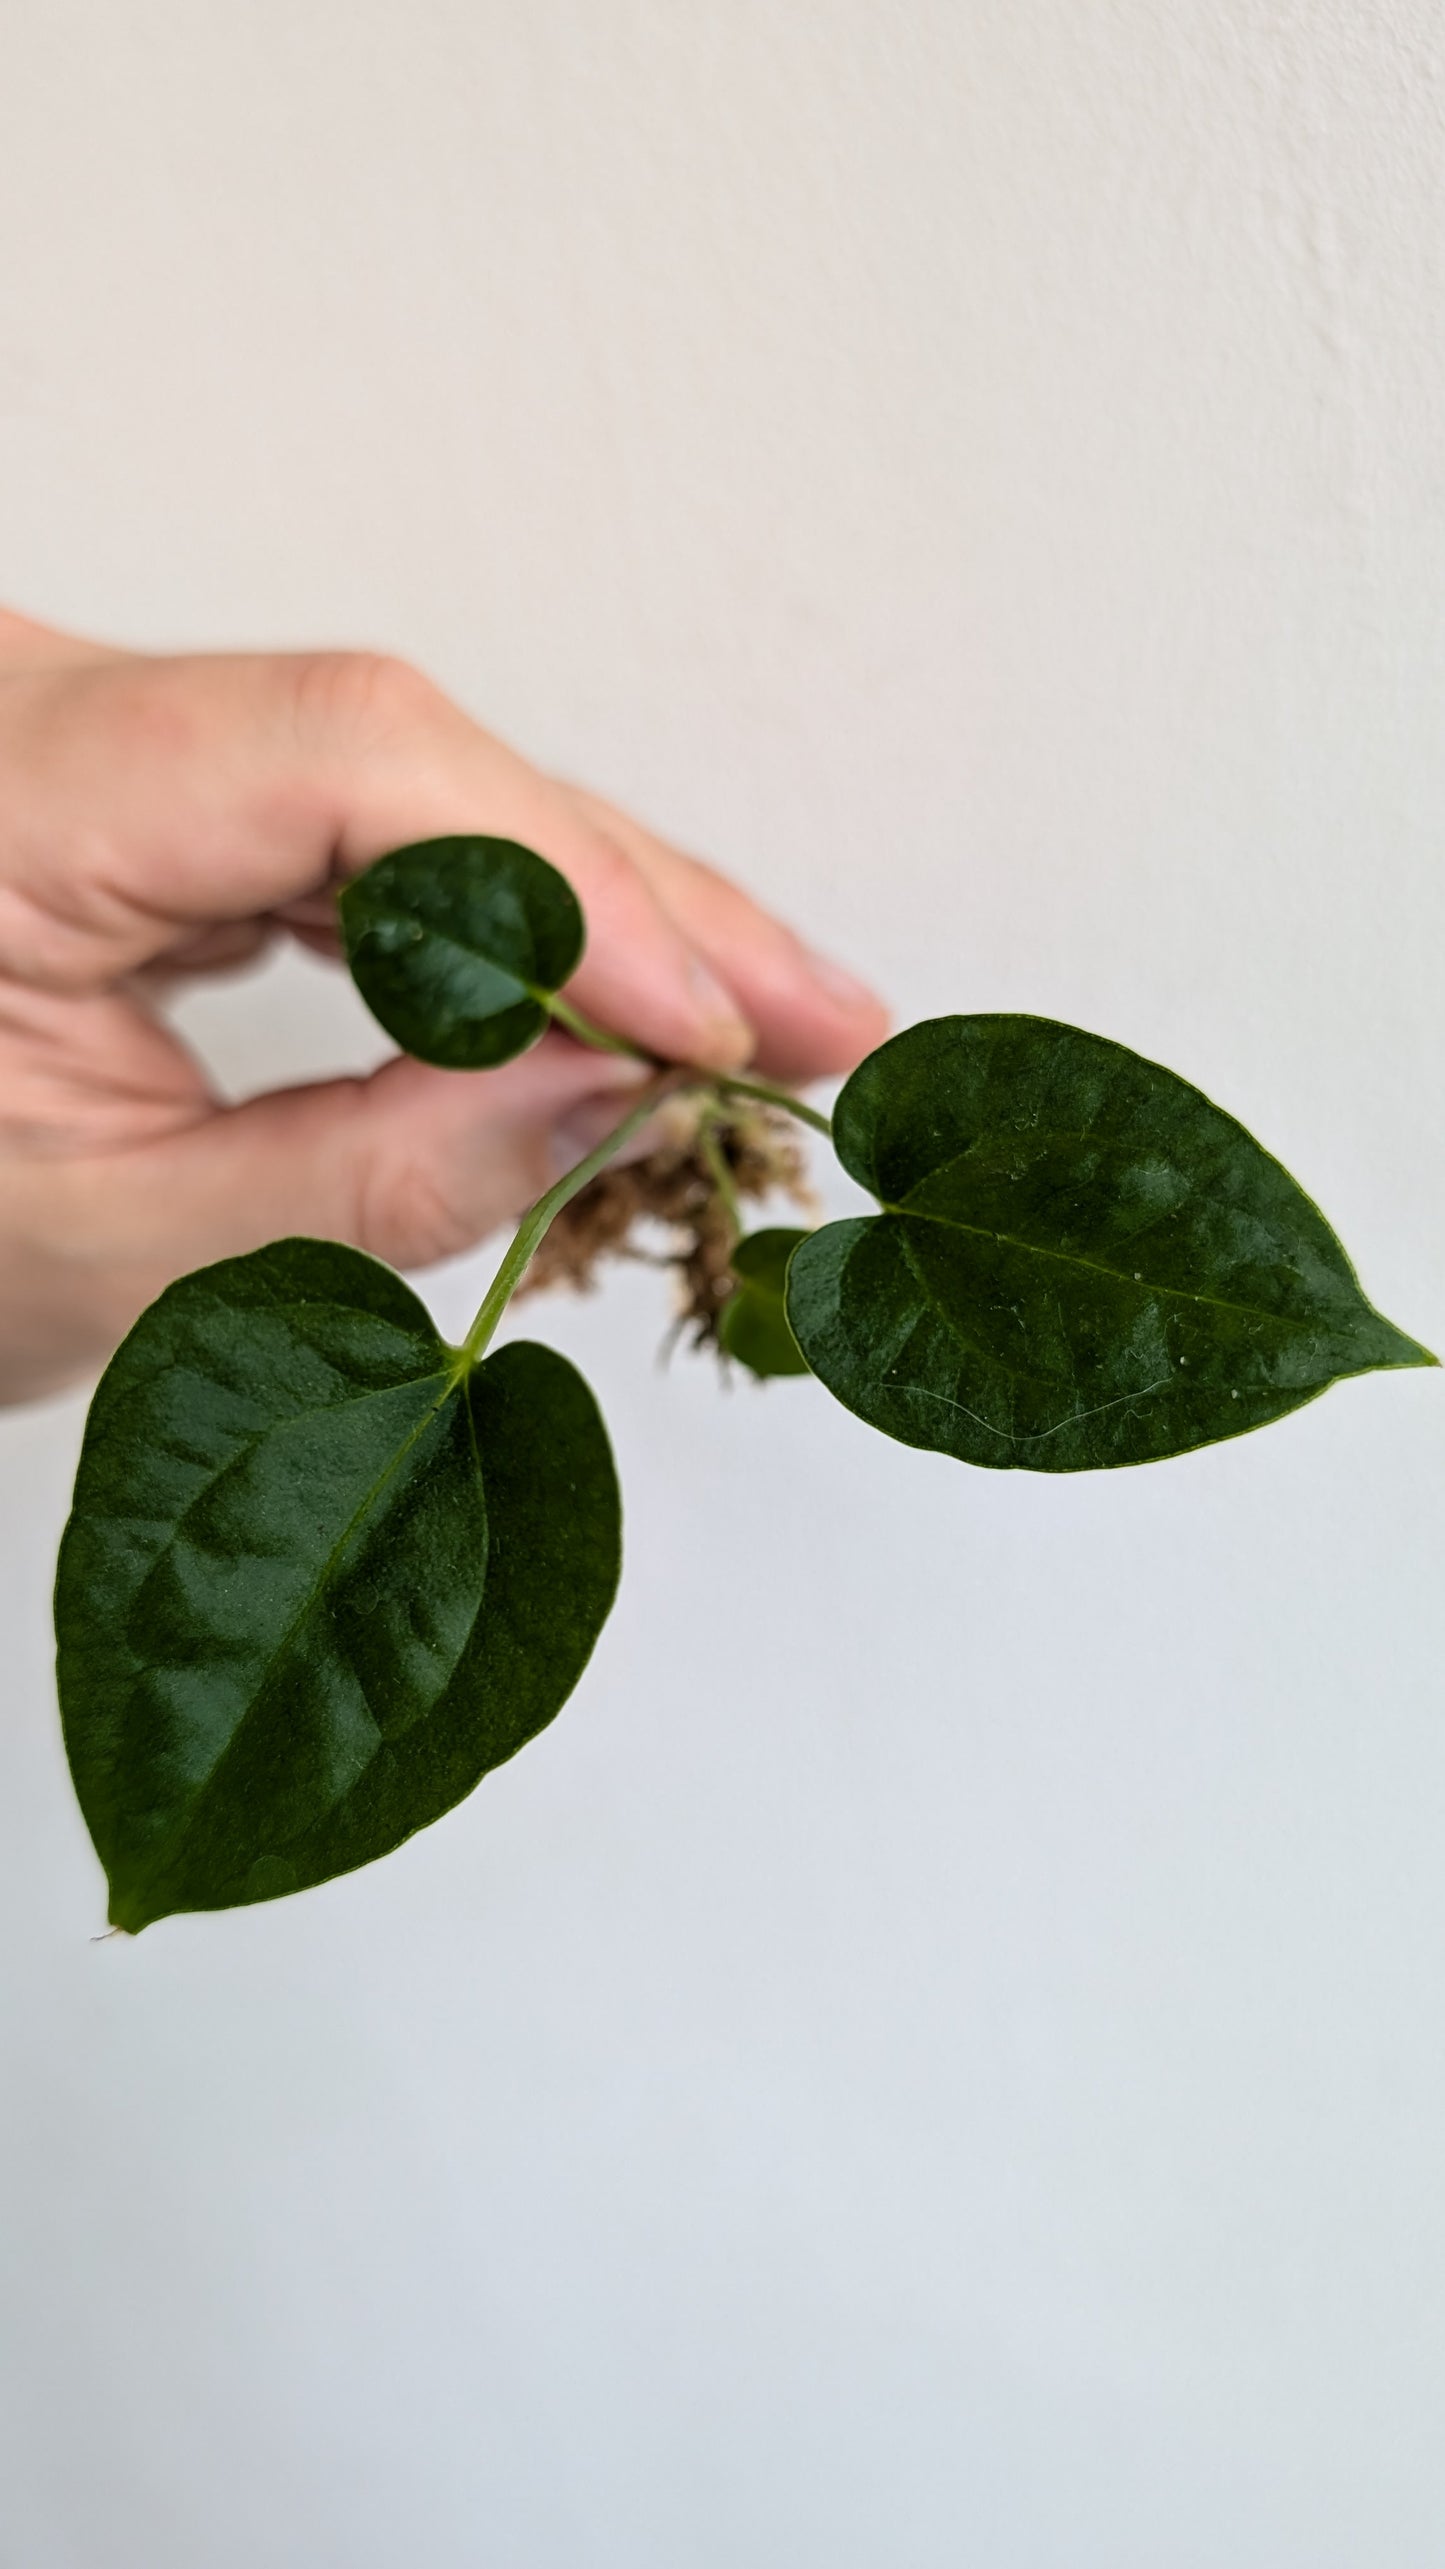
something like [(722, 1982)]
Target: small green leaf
[(457, 945), (315, 1583), (753, 1325), (1079, 1262)]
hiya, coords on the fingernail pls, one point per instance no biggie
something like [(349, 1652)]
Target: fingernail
[(839, 984), (728, 1028)]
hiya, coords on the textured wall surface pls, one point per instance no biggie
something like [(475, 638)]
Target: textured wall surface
[(938, 2056)]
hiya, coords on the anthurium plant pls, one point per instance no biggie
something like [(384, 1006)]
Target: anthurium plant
[(324, 1571)]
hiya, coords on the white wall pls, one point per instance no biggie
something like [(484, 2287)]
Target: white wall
[(938, 2056)]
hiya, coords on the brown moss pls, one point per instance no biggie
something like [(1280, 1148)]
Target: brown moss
[(675, 1188)]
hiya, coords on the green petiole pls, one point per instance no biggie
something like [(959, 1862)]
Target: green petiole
[(668, 1083)]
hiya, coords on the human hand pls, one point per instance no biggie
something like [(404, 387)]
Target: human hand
[(161, 817)]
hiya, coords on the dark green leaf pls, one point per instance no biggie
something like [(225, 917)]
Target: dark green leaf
[(457, 944), (753, 1326), (315, 1584), (1079, 1262)]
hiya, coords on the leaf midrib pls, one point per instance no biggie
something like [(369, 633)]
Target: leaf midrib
[(1092, 1266), (477, 954), (176, 1837), (245, 1446)]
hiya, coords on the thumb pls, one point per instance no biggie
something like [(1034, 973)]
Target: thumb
[(412, 1165)]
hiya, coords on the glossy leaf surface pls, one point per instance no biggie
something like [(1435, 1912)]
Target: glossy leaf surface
[(753, 1324), (1079, 1261), (457, 944), (314, 1586)]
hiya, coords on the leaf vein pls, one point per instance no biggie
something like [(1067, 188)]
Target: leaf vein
[(1092, 1266), (177, 1835)]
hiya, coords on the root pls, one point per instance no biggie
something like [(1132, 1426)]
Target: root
[(675, 1187)]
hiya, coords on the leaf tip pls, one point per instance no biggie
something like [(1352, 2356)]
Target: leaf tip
[(1406, 1351), (128, 1915)]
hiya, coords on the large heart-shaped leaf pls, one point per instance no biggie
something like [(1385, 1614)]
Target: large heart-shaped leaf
[(1079, 1260), (458, 944), (318, 1579), (753, 1323)]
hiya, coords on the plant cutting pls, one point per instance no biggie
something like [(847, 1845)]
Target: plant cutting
[(324, 1571)]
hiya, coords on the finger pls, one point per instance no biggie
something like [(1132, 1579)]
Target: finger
[(811, 1015), (210, 953), (623, 982), (639, 976), (412, 1165), (242, 786), (25, 641)]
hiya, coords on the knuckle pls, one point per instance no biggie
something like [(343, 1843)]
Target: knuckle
[(361, 695)]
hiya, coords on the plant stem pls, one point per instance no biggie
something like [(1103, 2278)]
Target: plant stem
[(675, 1081), (602, 1042), (722, 1176), (726, 1086), (564, 1014), (533, 1223)]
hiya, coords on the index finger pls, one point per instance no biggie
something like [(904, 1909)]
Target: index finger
[(812, 1016), (149, 801)]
